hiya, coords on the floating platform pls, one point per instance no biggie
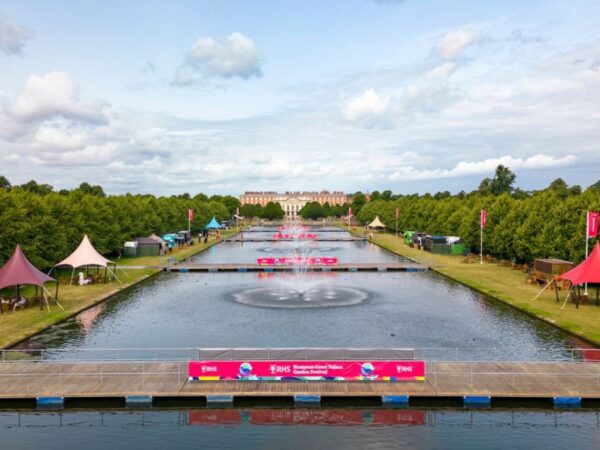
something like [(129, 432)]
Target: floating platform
[(559, 384), (401, 266), (325, 239)]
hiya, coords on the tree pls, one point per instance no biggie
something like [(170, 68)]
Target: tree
[(273, 211), (503, 180), (34, 188), (358, 201), (595, 186), (375, 195), (312, 211), (230, 202), (88, 189), (560, 188), (4, 183), (386, 195)]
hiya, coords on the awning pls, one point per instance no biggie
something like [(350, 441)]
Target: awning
[(376, 223), (213, 224), (18, 270), (85, 255)]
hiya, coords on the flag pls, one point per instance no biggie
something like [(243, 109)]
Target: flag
[(592, 223), (190, 214), (350, 212), (397, 213), (483, 219)]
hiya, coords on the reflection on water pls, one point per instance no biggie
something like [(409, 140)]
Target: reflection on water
[(300, 429)]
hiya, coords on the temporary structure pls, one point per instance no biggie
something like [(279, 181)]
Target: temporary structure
[(586, 272), (376, 223), (86, 255), (19, 271), (213, 224)]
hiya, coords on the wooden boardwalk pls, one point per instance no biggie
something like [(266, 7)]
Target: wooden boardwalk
[(394, 266), (531, 380)]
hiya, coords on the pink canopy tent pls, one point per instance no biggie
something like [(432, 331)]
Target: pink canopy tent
[(19, 271), (586, 272), (85, 255)]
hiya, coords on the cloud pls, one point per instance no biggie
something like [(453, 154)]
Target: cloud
[(487, 166), (235, 57), (442, 71), (368, 108), (55, 94), (454, 43), (12, 37)]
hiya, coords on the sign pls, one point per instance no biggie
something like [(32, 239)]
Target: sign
[(296, 261), (592, 224), (305, 370), (190, 214), (483, 220)]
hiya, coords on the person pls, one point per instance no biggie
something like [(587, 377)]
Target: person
[(20, 304)]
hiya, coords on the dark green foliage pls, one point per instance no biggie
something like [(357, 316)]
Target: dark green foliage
[(49, 225), (272, 211)]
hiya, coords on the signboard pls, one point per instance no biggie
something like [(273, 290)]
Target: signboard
[(592, 224), (307, 370), (296, 261)]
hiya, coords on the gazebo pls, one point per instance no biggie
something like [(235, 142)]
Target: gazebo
[(586, 272), (19, 271), (213, 224), (376, 223), (86, 255)]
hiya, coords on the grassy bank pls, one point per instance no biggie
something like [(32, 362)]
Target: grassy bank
[(19, 325), (507, 285)]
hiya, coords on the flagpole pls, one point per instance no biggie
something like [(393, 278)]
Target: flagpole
[(480, 243)]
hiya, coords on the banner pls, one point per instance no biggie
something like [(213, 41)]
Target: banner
[(592, 224), (296, 261), (190, 214), (281, 235), (307, 370), (349, 212), (483, 220), (397, 213)]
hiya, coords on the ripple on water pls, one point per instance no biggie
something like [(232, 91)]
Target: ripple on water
[(318, 297)]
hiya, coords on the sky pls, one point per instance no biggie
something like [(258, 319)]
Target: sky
[(227, 96)]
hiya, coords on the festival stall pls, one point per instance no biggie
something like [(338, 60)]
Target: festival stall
[(87, 256), (586, 272), (19, 271)]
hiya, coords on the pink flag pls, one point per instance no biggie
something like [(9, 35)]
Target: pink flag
[(190, 214), (349, 212), (592, 224), (483, 219), (397, 213)]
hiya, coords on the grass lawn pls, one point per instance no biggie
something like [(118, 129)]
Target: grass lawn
[(507, 285)]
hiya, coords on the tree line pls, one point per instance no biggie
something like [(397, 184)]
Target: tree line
[(521, 225), (49, 224)]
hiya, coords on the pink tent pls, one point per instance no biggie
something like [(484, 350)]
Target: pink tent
[(18, 270), (586, 272), (86, 255)]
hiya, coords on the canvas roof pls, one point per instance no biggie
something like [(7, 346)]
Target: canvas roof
[(157, 238), (18, 270), (376, 223), (85, 255), (147, 241), (213, 224), (586, 272)]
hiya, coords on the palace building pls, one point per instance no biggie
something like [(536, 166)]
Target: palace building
[(292, 202)]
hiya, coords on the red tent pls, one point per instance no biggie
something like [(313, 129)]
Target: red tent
[(586, 272), (18, 270)]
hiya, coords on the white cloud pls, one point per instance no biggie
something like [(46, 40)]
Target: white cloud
[(12, 37), (55, 94), (235, 57), (442, 71), (464, 168), (454, 43), (91, 155), (367, 108)]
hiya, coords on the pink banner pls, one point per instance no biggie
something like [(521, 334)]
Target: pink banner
[(307, 370), (296, 261), (483, 220), (593, 224), (281, 235)]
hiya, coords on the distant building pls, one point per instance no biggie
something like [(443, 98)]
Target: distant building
[(292, 202)]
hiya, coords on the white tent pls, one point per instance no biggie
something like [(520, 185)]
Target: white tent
[(376, 223), (85, 255)]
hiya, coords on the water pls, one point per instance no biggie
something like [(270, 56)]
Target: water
[(320, 309), (300, 429)]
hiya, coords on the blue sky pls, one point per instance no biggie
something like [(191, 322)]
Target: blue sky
[(227, 96)]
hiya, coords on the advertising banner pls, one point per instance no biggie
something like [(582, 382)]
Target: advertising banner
[(305, 370), (592, 224), (483, 218), (296, 261), (190, 214)]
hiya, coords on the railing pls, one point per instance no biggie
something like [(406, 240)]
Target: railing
[(167, 354)]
